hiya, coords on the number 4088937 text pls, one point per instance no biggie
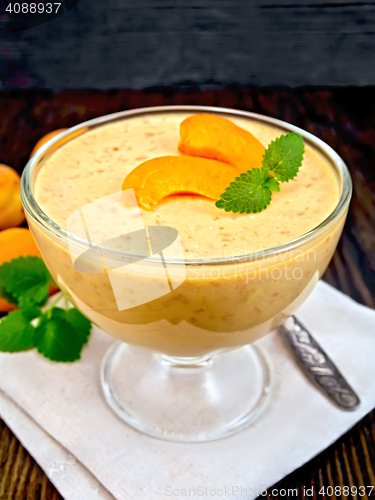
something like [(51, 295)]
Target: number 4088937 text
[(33, 8)]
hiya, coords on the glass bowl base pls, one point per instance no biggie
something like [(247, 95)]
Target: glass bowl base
[(186, 400)]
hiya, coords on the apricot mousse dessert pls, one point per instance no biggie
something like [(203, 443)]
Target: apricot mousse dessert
[(236, 190)]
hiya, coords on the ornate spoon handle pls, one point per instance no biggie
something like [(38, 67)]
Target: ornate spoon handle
[(318, 365)]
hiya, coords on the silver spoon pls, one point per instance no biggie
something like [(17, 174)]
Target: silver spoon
[(318, 366)]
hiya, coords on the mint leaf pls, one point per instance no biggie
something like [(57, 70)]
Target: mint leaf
[(6, 295), (36, 295), (272, 184), (25, 280), (284, 155), (249, 193), (61, 334), (16, 332), (32, 312)]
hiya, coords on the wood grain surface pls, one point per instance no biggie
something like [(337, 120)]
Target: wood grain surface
[(122, 43), (342, 117)]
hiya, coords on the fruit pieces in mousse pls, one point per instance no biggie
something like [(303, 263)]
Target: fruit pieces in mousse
[(218, 306), (251, 192), (164, 176), (208, 138), (212, 136)]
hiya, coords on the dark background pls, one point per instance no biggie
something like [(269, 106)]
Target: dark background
[(203, 43)]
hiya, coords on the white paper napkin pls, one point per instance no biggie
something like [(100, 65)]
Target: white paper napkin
[(59, 414)]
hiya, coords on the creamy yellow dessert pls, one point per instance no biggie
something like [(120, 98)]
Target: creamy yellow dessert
[(217, 306)]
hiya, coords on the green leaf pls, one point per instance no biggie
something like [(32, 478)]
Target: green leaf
[(25, 280), (6, 295), (36, 295), (283, 157), (252, 191), (16, 332), (272, 184), (249, 193), (32, 312), (61, 334)]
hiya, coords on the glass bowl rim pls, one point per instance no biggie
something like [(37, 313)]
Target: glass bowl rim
[(35, 212)]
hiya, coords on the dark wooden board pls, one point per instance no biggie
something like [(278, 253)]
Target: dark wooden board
[(127, 44), (344, 118)]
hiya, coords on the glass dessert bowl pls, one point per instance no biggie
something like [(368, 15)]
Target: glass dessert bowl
[(188, 288)]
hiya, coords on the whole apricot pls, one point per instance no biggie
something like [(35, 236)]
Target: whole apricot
[(53, 134), (45, 139), (14, 243), (11, 210)]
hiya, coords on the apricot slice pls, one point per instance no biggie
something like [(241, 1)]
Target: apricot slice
[(11, 210), (212, 136), (154, 180)]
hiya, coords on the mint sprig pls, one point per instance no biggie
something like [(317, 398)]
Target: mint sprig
[(16, 333), (25, 281), (59, 334), (251, 192)]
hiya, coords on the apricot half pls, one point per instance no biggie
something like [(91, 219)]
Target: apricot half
[(155, 179), (11, 210), (45, 139), (15, 242), (212, 136), (18, 242), (53, 134)]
